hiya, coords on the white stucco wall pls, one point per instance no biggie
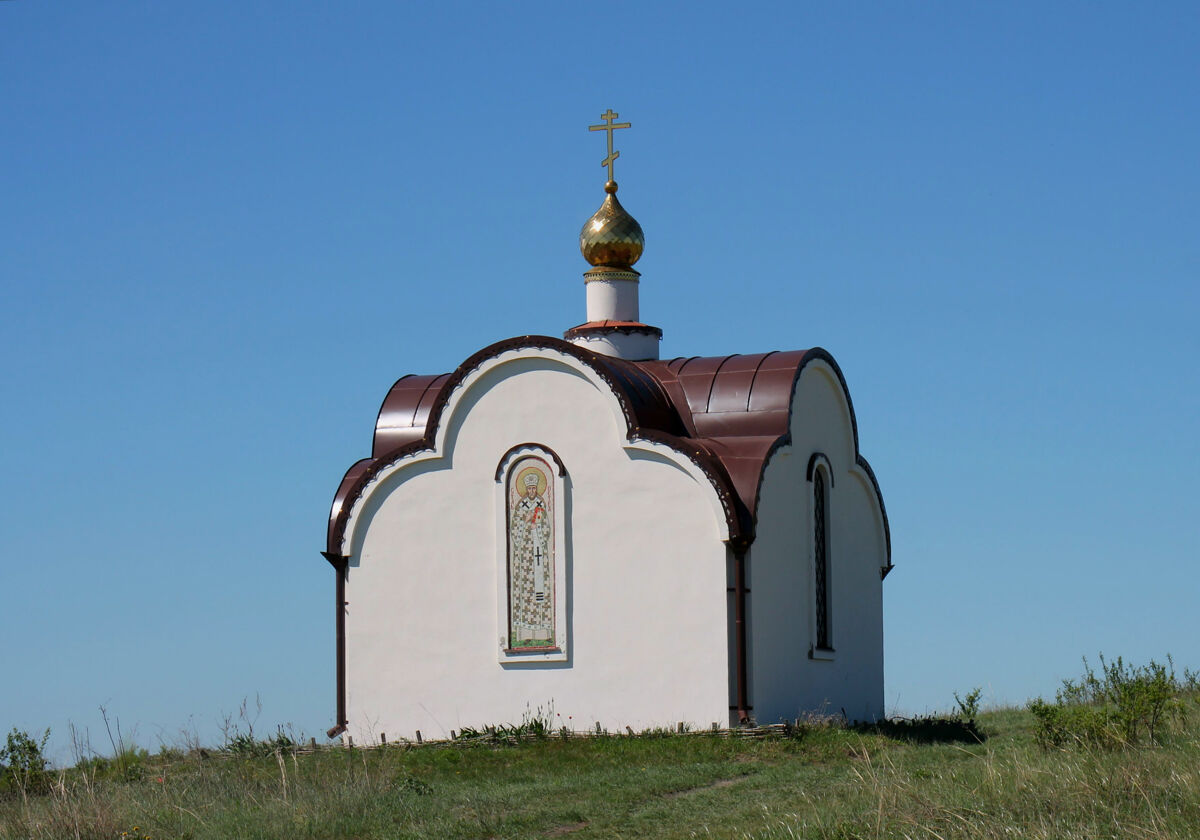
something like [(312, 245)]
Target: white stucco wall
[(645, 570), (784, 681)]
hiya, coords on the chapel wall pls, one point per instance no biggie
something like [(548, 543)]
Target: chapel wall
[(785, 681), (645, 576)]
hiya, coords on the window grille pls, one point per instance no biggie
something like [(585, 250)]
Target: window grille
[(821, 560)]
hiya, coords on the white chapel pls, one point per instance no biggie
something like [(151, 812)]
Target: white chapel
[(579, 528)]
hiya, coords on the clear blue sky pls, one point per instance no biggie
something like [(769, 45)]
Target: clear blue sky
[(226, 228)]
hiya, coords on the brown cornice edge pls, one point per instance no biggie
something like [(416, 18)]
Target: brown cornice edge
[(625, 379), (668, 378), (887, 528), (592, 328), (741, 524), (333, 548), (606, 368)]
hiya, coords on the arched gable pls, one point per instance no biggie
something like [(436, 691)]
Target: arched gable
[(823, 364), (724, 417), (419, 414), (742, 408)]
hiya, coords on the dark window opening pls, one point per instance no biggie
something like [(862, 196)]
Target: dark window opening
[(821, 560)]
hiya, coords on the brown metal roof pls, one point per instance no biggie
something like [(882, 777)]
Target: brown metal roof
[(405, 412), (337, 518), (739, 409), (728, 414), (606, 327)]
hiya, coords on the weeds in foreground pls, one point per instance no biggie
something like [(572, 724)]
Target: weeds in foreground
[(23, 763), (813, 778), (927, 730), (968, 706), (535, 723), (245, 745), (820, 780), (1122, 706)]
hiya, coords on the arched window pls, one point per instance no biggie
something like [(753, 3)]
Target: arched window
[(821, 559), (530, 554), (531, 603)]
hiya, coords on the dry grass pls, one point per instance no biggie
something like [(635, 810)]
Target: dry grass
[(825, 783)]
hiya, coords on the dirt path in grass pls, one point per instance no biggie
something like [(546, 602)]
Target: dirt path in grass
[(719, 783)]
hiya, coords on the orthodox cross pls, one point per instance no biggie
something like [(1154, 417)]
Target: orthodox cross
[(609, 126), (537, 555)]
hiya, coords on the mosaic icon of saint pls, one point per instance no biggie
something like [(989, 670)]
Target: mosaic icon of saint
[(531, 555)]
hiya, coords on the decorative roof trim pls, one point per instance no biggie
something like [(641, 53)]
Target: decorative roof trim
[(887, 528), (653, 399), (592, 328), (816, 459), (541, 447), (672, 372), (737, 517), (604, 367)]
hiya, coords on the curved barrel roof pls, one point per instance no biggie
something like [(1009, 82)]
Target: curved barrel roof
[(726, 413)]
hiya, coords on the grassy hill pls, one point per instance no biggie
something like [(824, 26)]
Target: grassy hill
[(817, 781)]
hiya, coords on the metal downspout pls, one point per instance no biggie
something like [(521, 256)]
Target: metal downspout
[(739, 628), (340, 563)]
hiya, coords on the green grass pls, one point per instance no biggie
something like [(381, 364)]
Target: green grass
[(828, 783)]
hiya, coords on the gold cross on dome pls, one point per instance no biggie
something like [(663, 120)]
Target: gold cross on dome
[(608, 117)]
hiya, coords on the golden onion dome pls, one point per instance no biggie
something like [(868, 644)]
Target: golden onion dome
[(611, 237)]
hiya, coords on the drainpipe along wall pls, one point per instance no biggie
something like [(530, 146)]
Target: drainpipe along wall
[(340, 563), (739, 627)]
